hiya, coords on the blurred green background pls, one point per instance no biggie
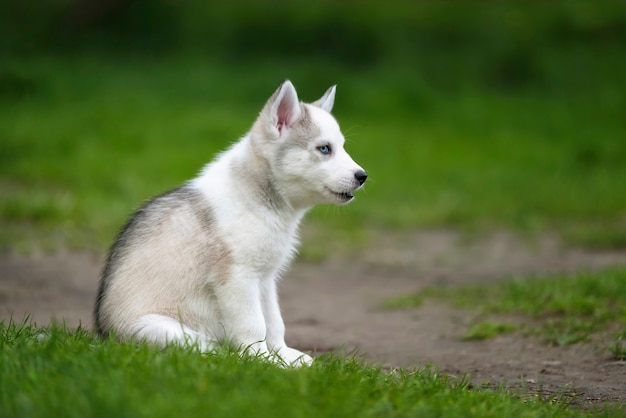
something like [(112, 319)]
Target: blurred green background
[(473, 115)]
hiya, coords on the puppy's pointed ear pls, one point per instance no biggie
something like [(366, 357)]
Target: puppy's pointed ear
[(284, 107), (327, 101)]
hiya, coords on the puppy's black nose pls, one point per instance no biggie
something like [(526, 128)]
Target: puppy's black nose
[(360, 176)]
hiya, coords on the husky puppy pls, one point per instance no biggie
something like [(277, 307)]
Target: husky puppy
[(200, 264)]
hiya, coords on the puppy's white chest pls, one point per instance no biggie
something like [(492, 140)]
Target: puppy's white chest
[(268, 252)]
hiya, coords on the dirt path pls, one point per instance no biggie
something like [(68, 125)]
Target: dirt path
[(335, 305)]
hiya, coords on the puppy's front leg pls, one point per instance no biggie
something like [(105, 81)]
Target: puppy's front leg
[(276, 327), (240, 306)]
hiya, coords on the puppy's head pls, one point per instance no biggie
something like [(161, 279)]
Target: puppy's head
[(304, 148)]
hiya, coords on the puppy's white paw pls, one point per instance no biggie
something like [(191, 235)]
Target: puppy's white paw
[(291, 357)]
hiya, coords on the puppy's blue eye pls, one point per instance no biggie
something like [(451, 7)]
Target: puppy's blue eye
[(324, 149)]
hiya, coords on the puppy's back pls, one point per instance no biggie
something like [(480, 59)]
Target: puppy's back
[(165, 252)]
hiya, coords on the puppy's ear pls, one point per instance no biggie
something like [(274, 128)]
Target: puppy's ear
[(327, 101), (284, 107)]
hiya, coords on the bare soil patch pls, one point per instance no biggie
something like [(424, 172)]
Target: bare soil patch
[(336, 305)]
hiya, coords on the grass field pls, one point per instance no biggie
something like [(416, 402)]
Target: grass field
[(87, 139), (54, 372), (560, 309)]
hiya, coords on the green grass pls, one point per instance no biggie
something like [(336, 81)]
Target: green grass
[(56, 372), (564, 309), (87, 139), (485, 330), (618, 348)]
